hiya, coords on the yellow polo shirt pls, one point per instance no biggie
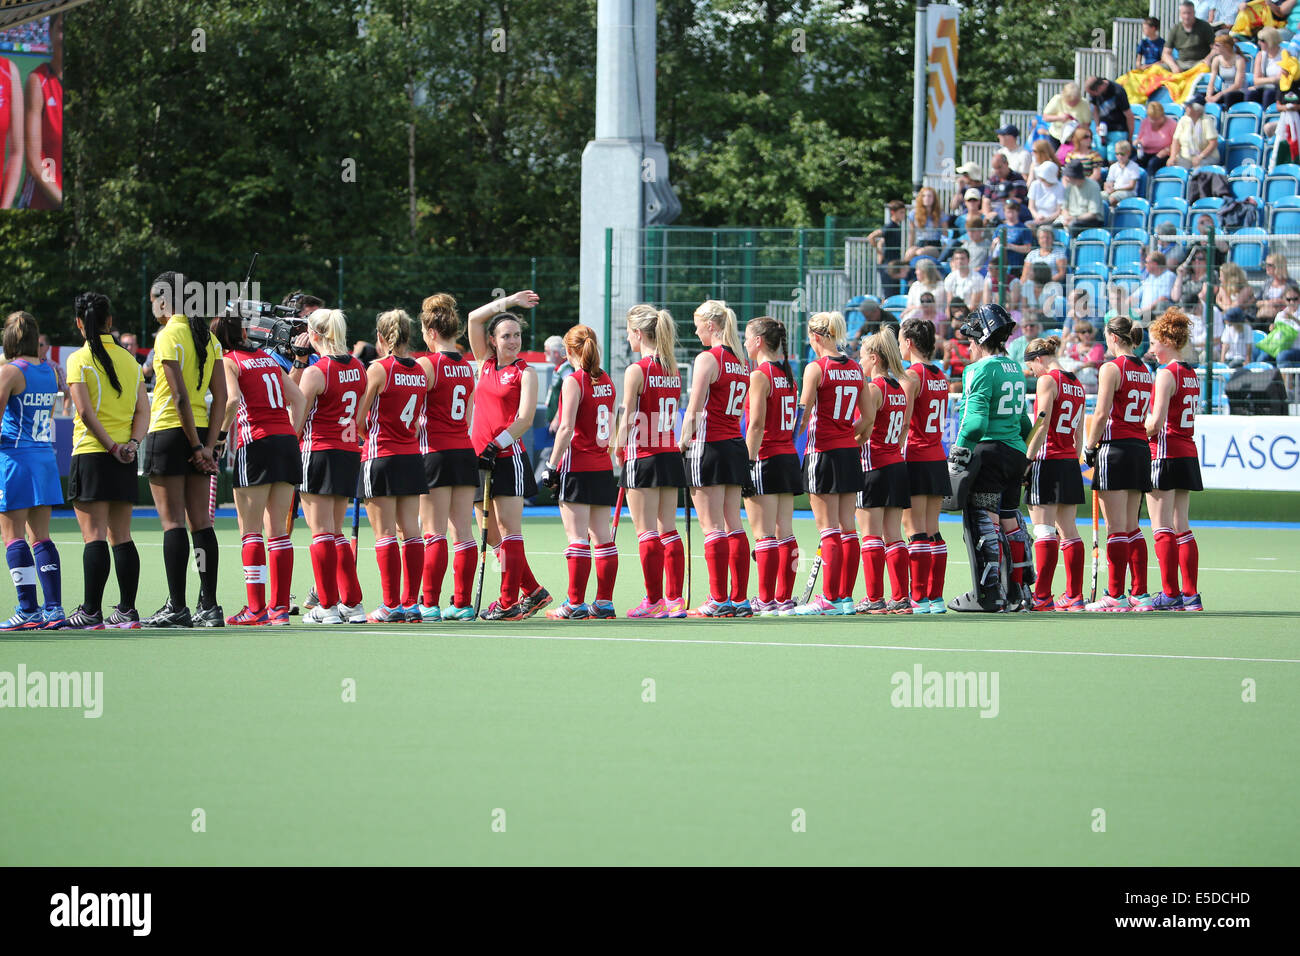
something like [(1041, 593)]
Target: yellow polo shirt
[(114, 411), (175, 343)]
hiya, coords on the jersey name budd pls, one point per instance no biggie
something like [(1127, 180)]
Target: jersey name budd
[(350, 375), (102, 909)]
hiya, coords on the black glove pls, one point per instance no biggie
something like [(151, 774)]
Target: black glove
[(747, 490), (487, 459), (551, 477), (1090, 456), (960, 456)]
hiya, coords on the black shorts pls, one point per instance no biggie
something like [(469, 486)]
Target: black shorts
[(779, 475), (512, 477), (453, 468), (998, 467), (1123, 465), (928, 478), (886, 487), (333, 471), (391, 476), (1055, 481), (834, 472), (267, 460), (588, 487), (1175, 474), (167, 452), (713, 463), (665, 469), (98, 476)]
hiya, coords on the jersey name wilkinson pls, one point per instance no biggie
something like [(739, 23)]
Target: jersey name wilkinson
[(844, 375)]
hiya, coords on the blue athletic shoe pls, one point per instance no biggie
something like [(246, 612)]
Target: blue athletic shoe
[(428, 614), (24, 620), (937, 606), (1192, 602), (55, 619), (846, 605), (454, 613), (742, 608), (603, 610), (1163, 602), (413, 614)]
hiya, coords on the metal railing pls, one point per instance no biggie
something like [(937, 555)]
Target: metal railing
[(1046, 90), (1125, 35), (1089, 62)]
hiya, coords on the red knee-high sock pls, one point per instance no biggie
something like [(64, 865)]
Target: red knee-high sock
[(606, 559), (1189, 558), (412, 570), (897, 558), (716, 554), (527, 583), (280, 552), (253, 551), (651, 547), (918, 557), (325, 568), (389, 557), (1047, 548), (578, 557), (832, 563), (1116, 562), (767, 553), (673, 558), (348, 585), (1166, 545), (873, 566), (512, 568), (739, 564), (938, 566), (787, 568), (464, 563), (1072, 552), (1017, 561), (1137, 560), (851, 556), (435, 569)]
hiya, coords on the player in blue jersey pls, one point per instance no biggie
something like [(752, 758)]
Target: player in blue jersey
[(29, 477)]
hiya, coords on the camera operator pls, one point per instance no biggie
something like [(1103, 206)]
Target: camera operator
[(303, 355)]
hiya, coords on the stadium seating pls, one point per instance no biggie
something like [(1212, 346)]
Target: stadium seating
[(1174, 111), (1247, 253), (1209, 205), (1283, 181), (1169, 182), (1126, 249), (1245, 186), (1241, 120), (895, 305), (1246, 148), (1131, 213), (1285, 216), (1089, 249), (1172, 210)]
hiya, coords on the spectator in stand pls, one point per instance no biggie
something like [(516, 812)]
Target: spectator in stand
[(956, 356), (1218, 13), (1079, 150), (1152, 46), (1065, 112), (926, 309), (1018, 158), (928, 281), (958, 310), (1004, 183), (1155, 139), (1290, 10), (1080, 310), (1188, 291), (1198, 331), (557, 356), (1289, 317), (977, 244), (1123, 176), (961, 283), (60, 377), (1196, 137), (1227, 73), (888, 243), (1188, 41), (1234, 296), (129, 343), (1110, 105), (1043, 265), (1040, 152), (926, 221), (969, 176), (1237, 341), (864, 318), (1268, 68), (1204, 222), (1084, 205), (1082, 354), (1018, 241), (1272, 298), (1156, 290), (1031, 327), (1169, 247), (1047, 194), (973, 201)]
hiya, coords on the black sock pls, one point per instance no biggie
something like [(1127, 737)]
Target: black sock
[(205, 559), (126, 562), (176, 560), (94, 569)]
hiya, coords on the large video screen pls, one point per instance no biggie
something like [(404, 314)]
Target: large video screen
[(31, 115)]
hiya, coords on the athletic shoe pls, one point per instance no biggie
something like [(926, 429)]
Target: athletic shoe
[(846, 606), (675, 607), (427, 614), (250, 618), (55, 619), (1140, 602), (209, 616), (278, 616), (648, 608), (386, 615), (1043, 604), (900, 607), (819, 605), (743, 608), (413, 614), (1067, 603), (570, 612), (356, 614), (921, 607), (24, 621), (83, 620), (124, 618), (603, 611), (168, 616), (294, 609), (312, 600), (1108, 603), (1019, 598), (871, 607), (532, 603), (937, 606), (786, 608), (454, 613), (1163, 602), (321, 614), (496, 612), (1192, 602), (764, 608), (712, 608)]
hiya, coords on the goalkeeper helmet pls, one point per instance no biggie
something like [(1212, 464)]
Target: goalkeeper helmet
[(989, 325)]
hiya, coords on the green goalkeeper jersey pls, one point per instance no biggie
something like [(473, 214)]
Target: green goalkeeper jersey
[(993, 403)]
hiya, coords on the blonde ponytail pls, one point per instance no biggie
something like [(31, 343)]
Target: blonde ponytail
[(723, 319), (884, 346), (657, 326), (829, 325), (332, 327)]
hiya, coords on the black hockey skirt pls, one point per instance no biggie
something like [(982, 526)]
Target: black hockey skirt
[(332, 471), (717, 463), (453, 468), (928, 478), (393, 475), (1176, 474), (588, 487), (512, 477), (886, 487), (266, 461), (664, 469), (834, 472), (779, 475), (1123, 465), (1055, 481), (98, 476)]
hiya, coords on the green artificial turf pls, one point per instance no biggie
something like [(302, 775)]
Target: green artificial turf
[(1139, 716)]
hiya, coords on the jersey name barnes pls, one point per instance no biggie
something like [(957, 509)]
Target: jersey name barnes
[(730, 367)]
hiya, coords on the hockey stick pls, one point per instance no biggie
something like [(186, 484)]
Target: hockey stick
[(356, 524), (812, 576), (482, 569), (618, 511), (687, 494), (1039, 424), (1096, 536)]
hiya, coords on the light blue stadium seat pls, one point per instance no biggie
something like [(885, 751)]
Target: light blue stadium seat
[(1172, 210), (1170, 182), (1282, 182), (1131, 213), (1284, 216), (1249, 253), (1126, 249), (1249, 147), (1241, 120)]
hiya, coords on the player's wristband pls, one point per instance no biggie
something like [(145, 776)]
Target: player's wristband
[(505, 439), (221, 438), (196, 449), (113, 450)]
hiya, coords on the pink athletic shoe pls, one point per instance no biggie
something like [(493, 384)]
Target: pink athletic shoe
[(1108, 603), (648, 609)]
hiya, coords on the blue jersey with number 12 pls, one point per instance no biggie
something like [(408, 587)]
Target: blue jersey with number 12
[(29, 415)]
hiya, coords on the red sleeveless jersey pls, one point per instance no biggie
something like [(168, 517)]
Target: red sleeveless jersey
[(830, 424), (782, 402), (593, 428), (1177, 438), (445, 426), (885, 444), (52, 119), (262, 408), (651, 430), (725, 404), (1067, 418), (393, 423), (1132, 400), (332, 419), (929, 411), (8, 118), (496, 403)]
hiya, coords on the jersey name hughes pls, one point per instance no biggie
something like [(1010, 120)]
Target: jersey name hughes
[(665, 381), (414, 381), (350, 375)]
